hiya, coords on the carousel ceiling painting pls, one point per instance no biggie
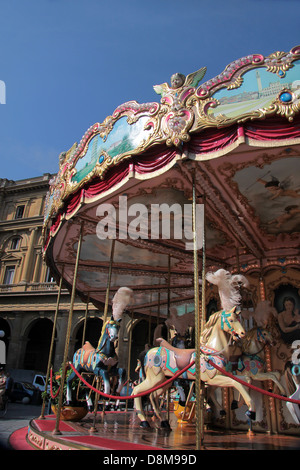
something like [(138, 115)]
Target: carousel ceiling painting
[(236, 137)]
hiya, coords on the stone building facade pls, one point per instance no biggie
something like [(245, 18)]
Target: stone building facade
[(28, 293)]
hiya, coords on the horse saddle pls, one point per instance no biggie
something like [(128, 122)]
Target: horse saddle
[(182, 356), (89, 349)]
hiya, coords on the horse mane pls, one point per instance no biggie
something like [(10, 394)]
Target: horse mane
[(249, 337), (122, 298), (209, 326), (228, 286)]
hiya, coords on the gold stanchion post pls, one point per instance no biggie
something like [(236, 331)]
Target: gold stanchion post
[(129, 358), (51, 346), (198, 388), (64, 366), (108, 284)]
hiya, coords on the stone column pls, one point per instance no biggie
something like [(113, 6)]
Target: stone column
[(14, 359), (61, 339), (29, 255)]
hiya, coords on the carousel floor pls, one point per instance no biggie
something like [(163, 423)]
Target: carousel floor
[(121, 431)]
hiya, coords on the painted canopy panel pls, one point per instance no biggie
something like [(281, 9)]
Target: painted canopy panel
[(259, 89), (274, 193)]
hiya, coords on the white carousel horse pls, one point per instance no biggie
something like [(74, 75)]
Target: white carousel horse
[(293, 385), (166, 361), (103, 360)]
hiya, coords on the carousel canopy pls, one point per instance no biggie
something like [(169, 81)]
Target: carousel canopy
[(128, 185)]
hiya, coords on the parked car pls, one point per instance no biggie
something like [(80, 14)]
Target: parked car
[(26, 393), (36, 378)]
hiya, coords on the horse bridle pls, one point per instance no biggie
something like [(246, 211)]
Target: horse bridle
[(259, 335)]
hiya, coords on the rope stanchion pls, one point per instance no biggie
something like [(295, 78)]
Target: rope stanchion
[(130, 397), (253, 387)]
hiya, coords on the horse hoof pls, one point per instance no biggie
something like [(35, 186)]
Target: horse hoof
[(234, 405), (222, 413), (165, 425), (251, 415), (144, 424)]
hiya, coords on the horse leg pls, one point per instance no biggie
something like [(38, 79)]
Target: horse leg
[(211, 395), (155, 404), (69, 391), (122, 378), (153, 378), (261, 376), (223, 381), (106, 383)]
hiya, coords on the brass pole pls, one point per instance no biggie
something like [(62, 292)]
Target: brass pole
[(168, 338), (199, 411), (85, 319), (64, 365), (158, 309), (203, 320), (150, 321), (203, 304), (129, 358), (169, 283), (108, 284), (51, 345), (93, 427)]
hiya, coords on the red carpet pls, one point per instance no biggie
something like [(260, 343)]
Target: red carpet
[(18, 441), (107, 444), (48, 425)]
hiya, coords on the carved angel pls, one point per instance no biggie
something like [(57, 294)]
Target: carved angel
[(178, 80)]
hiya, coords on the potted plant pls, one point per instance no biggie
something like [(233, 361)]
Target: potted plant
[(78, 410)]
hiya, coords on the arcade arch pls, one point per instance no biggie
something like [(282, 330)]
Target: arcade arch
[(38, 344), (92, 332)]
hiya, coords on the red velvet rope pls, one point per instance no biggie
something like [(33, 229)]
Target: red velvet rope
[(113, 397), (223, 371), (264, 392)]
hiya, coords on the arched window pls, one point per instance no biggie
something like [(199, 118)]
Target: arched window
[(15, 243)]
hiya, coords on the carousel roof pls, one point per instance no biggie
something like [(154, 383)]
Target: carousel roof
[(237, 136)]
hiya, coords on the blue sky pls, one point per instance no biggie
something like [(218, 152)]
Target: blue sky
[(68, 64)]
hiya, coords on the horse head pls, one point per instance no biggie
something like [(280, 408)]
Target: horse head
[(264, 336), (112, 329), (230, 323)]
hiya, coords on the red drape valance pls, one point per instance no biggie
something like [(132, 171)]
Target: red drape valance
[(159, 156)]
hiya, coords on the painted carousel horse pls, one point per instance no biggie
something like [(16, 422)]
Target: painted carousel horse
[(252, 364), (103, 360), (182, 385), (247, 362), (165, 361)]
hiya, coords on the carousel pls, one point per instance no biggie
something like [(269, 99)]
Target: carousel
[(184, 213)]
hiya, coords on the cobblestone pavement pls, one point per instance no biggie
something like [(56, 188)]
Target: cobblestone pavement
[(17, 417)]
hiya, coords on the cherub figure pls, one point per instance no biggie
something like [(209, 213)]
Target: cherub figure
[(179, 82), (178, 114), (278, 188), (289, 213)]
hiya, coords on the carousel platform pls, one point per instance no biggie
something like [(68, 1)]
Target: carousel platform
[(120, 431)]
